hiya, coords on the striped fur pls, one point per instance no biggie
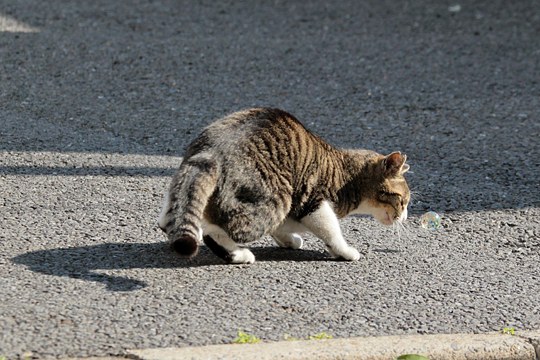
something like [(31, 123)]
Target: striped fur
[(259, 172)]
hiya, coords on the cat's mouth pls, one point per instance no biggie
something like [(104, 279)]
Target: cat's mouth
[(386, 219)]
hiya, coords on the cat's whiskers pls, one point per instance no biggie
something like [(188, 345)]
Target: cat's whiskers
[(403, 229), (395, 227)]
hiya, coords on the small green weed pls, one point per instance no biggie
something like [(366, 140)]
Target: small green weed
[(245, 338), (320, 336), (412, 357), (286, 337), (509, 331)]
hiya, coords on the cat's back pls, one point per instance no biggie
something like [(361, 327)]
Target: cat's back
[(239, 131), (247, 123)]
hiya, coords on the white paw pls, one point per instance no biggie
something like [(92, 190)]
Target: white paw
[(296, 241), (242, 256), (349, 254), (291, 241)]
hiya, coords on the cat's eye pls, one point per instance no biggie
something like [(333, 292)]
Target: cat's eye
[(389, 194), (390, 198)]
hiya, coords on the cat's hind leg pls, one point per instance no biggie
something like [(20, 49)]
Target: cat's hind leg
[(224, 247), (286, 235)]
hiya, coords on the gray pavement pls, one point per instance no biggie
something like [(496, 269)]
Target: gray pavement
[(98, 100)]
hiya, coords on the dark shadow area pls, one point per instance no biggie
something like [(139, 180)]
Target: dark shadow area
[(86, 171), (458, 92), (81, 262)]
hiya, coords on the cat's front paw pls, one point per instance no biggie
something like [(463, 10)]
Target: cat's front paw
[(349, 254)]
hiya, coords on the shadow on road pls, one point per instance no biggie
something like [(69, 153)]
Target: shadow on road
[(101, 77), (84, 262), (88, 171)]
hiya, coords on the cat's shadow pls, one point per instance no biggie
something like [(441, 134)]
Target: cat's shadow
[(85, 262)]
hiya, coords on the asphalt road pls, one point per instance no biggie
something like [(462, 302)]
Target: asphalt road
[(98, 100)]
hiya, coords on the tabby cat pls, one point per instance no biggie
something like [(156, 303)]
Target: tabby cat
[(260, 171)]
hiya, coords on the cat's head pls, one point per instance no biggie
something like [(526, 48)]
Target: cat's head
[(386, 194)]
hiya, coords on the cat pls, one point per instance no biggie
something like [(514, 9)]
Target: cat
[(261, 172)]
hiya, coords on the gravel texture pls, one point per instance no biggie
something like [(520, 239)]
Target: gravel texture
[(98, 100)]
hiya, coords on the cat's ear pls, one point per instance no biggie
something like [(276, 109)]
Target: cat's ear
[(394, 164)]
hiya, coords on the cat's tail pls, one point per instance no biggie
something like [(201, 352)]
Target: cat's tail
[(185, 202)]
